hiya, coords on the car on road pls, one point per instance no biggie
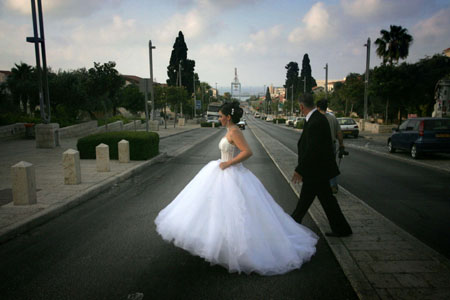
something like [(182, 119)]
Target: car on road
[(242, 124), (421, 135), (348, 127), (290, 121), (257, 115), (269, 118)]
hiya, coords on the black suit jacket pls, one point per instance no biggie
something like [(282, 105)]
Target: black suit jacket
[(316, 160)]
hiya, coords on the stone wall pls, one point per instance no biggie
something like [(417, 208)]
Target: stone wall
[(375, 128), (78, 130), (12, 130)]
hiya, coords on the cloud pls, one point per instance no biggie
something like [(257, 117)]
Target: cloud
[(58, 8), (382, 9), (316, 25), (432, 33), (263, 41)]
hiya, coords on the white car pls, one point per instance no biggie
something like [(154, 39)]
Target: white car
[(348, 127), (290, 121), (298, 120)]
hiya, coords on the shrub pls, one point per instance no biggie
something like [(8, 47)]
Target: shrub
[(143, 145), (280, 121), (207, 124), (300, 124)]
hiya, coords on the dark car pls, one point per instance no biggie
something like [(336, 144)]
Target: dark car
[(421, 135)]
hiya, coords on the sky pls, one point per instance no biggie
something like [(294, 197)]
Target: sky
[(258, 37)]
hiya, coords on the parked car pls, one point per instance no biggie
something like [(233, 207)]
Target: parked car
[(241, 124), (421, 135), (269, 118), (290, 121), (257, 115), (298, 120), (348, 127)]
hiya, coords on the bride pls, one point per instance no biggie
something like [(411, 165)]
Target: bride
[(226, 216)]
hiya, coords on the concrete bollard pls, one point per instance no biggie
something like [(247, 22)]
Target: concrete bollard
[(102, 158), (23, 183), (213, 124), (124, 151), (71, 166)]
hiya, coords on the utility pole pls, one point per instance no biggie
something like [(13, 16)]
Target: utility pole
[(292, 99), (193, 107), (179, 84), (150, 47), (366, 82), (326, 81)]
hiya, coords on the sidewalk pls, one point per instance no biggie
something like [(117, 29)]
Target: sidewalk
[(53, 196), (381, 260)]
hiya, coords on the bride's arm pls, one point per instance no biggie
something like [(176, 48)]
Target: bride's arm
[(239, 141)]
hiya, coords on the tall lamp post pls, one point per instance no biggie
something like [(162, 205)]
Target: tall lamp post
[(326, 81), (150, 47), (292, 99), (44, 99), (366, 82)]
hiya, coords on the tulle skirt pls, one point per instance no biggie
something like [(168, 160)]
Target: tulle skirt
[(228, 218)]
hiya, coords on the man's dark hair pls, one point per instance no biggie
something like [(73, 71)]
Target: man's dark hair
[(322, 104), (307, 100)]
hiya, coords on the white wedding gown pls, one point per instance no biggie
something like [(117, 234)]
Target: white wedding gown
[(228, 218)]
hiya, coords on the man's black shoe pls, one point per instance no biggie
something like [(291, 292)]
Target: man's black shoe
[(334, 234)]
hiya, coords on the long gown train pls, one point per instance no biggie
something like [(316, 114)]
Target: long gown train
[(228, 218)]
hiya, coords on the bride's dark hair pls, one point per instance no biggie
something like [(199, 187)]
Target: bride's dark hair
[(232, 109)]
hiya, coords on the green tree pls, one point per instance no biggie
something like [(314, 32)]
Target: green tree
[(394, 44), (306, 73), (23, 86), (132, 99), (68, 91), (179, 54), (291, 79), (104, 84), (268, 101)]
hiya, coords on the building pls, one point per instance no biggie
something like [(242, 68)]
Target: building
[(321, 83), (446, 52), (3, 75)]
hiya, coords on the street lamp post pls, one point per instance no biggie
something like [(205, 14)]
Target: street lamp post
[(292, 99), (326, 81), (44, 98), (150, 47), (366, 82)]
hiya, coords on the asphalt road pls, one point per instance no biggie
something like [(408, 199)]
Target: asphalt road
[(414, 197), (107, 248)]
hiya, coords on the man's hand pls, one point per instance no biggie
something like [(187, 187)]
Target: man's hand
[(225, 164), (342, 152), (296, 178)]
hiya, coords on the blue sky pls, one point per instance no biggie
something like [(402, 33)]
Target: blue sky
[(258, 37)]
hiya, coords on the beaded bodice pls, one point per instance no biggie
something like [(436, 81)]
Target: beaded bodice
[(228, 151)]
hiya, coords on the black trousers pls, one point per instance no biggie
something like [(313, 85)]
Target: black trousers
[(321, 189)]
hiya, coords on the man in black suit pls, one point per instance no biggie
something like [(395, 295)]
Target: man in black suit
[(316, 165)]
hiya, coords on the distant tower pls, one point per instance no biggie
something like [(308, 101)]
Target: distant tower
[(235, 86)]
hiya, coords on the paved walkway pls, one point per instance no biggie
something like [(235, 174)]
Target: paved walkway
[(53, 196), (381, 260)]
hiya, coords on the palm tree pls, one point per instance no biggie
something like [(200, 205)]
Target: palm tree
[(21, 83), (394, 44)]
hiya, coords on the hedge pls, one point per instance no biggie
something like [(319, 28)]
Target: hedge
[(300, 124), (209, 124), (143, 145), (280, 121)]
